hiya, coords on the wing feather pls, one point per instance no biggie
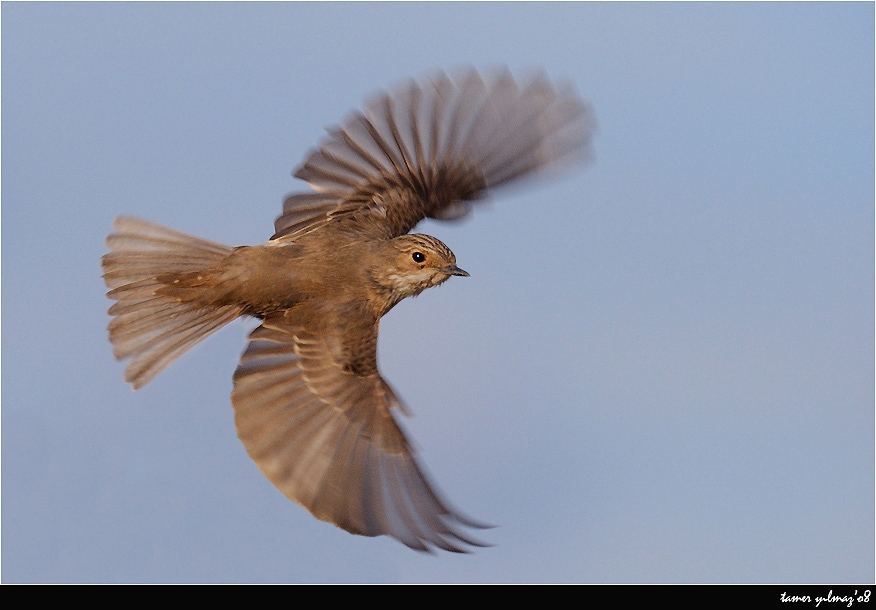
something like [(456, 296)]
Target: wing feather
[(327, 438), (429, 148)]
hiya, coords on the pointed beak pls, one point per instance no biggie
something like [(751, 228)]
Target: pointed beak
[(454, 270)]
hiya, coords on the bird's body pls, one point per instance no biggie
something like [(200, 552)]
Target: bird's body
[(310, 405)]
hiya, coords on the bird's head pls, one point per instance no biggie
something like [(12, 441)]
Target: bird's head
[(414, 263)]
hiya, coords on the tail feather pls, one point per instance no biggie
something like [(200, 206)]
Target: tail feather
[(152, 328)]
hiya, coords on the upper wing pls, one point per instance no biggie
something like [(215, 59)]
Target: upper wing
[(428, 148), (326, 437)]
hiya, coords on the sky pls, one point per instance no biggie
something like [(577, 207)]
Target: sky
[(660, 370)]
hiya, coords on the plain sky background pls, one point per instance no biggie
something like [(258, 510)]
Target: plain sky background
[(660, 370)]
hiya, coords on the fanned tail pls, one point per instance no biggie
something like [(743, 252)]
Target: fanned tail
[(152, 328)]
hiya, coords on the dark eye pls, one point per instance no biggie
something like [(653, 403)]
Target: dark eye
[(418, 257)]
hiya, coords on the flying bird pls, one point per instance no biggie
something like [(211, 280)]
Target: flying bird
[(310, 405)]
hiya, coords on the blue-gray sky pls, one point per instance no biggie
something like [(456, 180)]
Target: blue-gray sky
[(662, 365)]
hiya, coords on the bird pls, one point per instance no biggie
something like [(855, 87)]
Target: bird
[(310, 405)]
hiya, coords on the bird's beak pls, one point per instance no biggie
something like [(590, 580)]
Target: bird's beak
[(454, 270)]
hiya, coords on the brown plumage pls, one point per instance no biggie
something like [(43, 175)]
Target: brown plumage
[(310, 405)]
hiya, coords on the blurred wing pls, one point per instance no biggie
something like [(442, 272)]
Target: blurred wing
[(327, 439), (427, 149)]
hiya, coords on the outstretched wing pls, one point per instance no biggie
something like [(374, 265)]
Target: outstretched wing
[(428, 148), (326, 437)]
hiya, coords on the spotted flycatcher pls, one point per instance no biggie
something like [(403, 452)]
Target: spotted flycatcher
[(310, 405)]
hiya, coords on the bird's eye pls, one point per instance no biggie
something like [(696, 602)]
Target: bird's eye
[(418, 257)]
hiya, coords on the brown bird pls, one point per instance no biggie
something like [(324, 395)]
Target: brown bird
[(310, 405)]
